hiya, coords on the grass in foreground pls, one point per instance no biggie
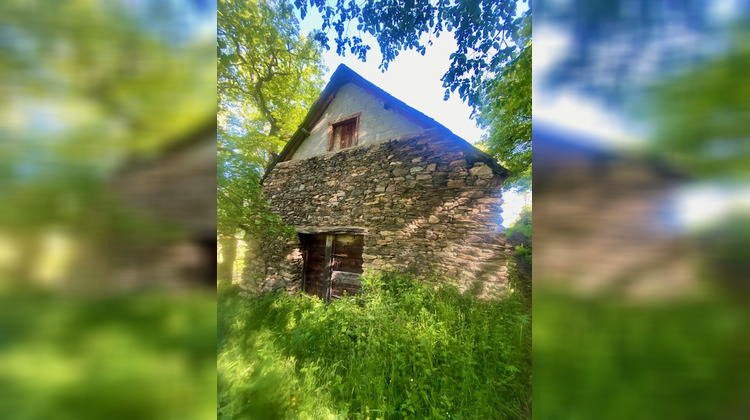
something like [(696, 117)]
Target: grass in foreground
[(398, 350)]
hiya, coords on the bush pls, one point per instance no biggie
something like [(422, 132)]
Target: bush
[(400, 349), (519, 235), (521, 231)]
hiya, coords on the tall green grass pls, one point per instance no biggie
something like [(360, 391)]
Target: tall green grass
[(400, 349)]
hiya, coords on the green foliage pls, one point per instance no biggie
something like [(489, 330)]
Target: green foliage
[(597, 359), (701, 115), (481, 29), (520, 234), (103, 86), (522, 251), (519, 267), (83, 87), (145, 357), (400, 349), (262, 59), (268, 77), (506, 111), (522, 226), (723, 257)]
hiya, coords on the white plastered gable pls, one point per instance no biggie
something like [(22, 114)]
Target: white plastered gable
[(377, 121)]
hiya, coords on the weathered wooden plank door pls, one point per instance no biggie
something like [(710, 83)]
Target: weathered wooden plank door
[(346, 265), (333, 264), (315, 264)]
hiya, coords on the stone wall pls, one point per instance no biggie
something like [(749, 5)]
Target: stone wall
[(428, 203), (169, 188), (174, 186), (618, 225)]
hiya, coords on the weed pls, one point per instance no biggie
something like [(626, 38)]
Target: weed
[(400, 349)]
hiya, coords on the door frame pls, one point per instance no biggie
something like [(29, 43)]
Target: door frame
[(328, 257)]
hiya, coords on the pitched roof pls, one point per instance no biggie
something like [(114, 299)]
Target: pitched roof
[(342, 76), (556, 148), (186, 140)]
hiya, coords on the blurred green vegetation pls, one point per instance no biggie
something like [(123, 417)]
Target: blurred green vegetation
[(724, 261), (99, 79), (602, 358), (86, 88), (401, 349), (146, 357), (701, 114)]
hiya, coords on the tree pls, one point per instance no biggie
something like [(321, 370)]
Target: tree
[(268, 76), (482, 30), (701, 115), (505, 111), (94, 85)]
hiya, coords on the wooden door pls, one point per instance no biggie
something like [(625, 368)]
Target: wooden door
[(333, 264), (346, 265), (316, 282)]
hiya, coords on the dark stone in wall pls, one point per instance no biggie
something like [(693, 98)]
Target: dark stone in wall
[(427, 204)]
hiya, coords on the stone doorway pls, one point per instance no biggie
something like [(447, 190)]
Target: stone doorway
[(333, 263)]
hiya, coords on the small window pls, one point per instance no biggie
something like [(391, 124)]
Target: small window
[(343, 133)]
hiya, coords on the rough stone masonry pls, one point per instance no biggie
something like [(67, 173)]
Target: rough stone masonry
[(427, 203)]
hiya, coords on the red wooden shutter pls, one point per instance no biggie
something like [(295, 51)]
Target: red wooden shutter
[(344, 134)]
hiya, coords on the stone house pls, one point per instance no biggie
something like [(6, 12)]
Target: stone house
[(605, 220), (371, 183), (175, 187)]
